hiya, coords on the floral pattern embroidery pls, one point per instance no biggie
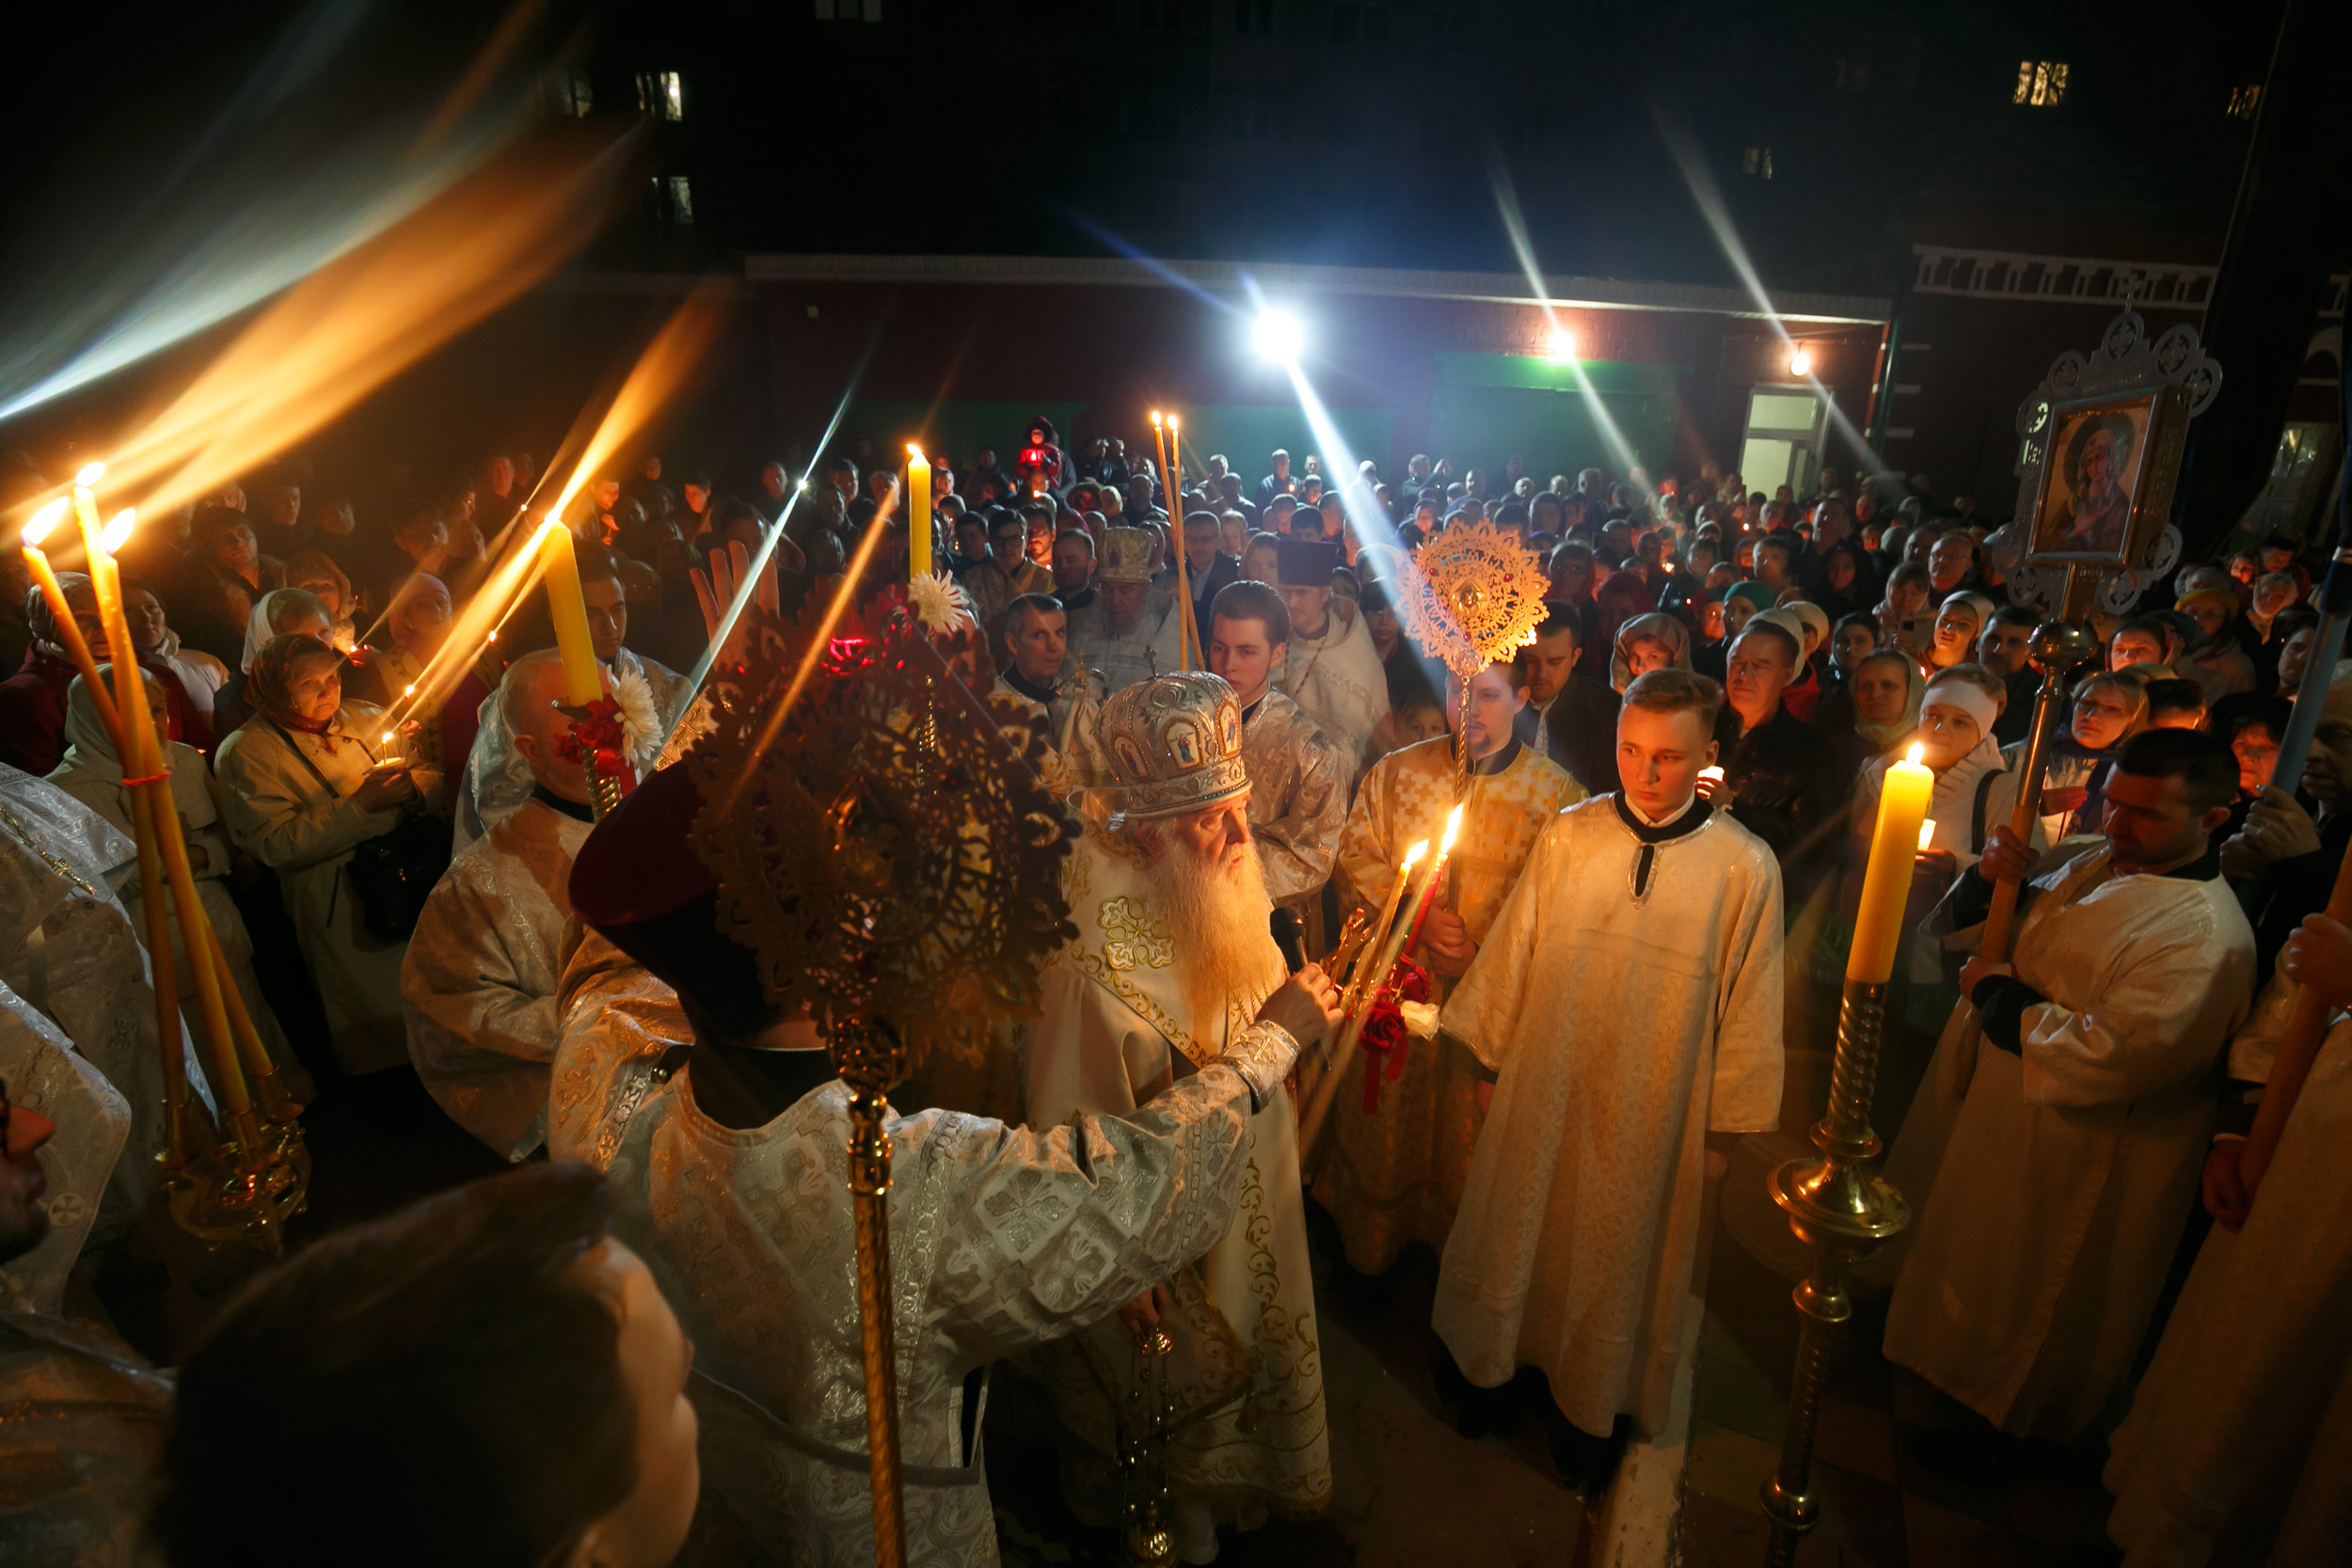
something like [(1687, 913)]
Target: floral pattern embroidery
[(1129, 938)]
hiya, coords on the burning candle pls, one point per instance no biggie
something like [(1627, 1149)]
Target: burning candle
[(583, 679), (37, 528), (918, 512), (1927, 836), (1378, 936), (1429, 887), (1878, 923)]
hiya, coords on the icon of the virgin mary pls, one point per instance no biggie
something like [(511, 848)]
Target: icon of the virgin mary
[(2098, 509)]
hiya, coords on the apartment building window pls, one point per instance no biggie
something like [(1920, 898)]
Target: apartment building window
[(673, 198), (2243, 100), (660, 94), (1756, 163), (2041, 83), (572, 93)]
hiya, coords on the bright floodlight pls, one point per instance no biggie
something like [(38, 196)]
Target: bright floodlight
[(1800, 363), (1279, 336), (1562, 343)]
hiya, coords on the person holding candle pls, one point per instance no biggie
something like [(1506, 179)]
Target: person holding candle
[(2053, 1153), (1628, 1001), (1172, 962), (1395, 1175), (1777, 778), (305, 782)]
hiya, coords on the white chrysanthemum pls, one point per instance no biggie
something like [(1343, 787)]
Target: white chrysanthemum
[(940, 607), (640, 725)]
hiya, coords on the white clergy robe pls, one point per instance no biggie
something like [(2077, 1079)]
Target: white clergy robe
[(2242, 1430), (2037, 1254), (1068, 722), (1152, 646), (1245, 1378), (1395, 1175), (46, 1075), (1000, 1239), (1338, 679), (1624, 1024), (478, 982)]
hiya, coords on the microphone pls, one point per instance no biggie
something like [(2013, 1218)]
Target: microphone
[(1284, 923)]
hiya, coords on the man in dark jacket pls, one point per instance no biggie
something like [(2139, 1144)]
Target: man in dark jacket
[(1568, 718), (1777, 778)]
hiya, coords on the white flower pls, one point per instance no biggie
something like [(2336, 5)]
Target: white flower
[(939, 605), (641, 726)]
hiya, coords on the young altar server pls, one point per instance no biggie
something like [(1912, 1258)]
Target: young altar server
[(2077, 1125), (1628, 1001)]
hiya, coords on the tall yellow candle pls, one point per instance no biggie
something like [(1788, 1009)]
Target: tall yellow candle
[(1878, 923), (918, 512), (1378, 937), (583, 680)]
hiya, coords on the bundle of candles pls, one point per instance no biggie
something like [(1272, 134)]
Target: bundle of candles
[(245, 1188), (1394, 936), (1168, 439)]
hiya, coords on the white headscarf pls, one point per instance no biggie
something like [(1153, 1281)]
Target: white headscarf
[(260, 626)]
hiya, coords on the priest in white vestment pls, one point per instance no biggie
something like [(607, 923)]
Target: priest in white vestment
[(67, 948), (2241, 1431), (729, 1149), (42, 1075), (1297, 777), (1332, 669), (1628, 1001), (479, 979), (2073, 1098), (1062, 709), (1173, 960), (1127, 634)]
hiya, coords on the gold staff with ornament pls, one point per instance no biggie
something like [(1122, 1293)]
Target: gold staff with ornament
[(895, 867), (1473, 597)]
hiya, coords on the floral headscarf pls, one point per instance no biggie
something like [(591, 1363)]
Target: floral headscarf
[(269, 685), (1664, 630)]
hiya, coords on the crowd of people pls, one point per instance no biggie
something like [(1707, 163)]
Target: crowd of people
[(1668, 796)]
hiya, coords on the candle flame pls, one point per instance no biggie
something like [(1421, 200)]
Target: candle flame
[(1927, 831), (1155, 419), (411, 692), (1452, 826), (1412, 856), (1175, 423), (36, 527), (118, 532), (89, 475), (1917, 751)]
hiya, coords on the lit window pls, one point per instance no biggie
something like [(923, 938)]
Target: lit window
[(660, 94), (2041, 83), (1756, 161), (2243, 100), (673, 198), (571, 92)]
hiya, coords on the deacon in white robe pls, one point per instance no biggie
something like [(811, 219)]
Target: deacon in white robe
[(1062, 710), (478, 983), (2078, 1087), (1332, 669), (1299, 777), (729, 1149), (1127, 634), (2241, 1431), (1629, 1001), (1173, 960)]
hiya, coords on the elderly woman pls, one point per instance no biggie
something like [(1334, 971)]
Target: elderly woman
[(305, 784), (1878, 713), (1647, 642), (92, 774), (276, 613)]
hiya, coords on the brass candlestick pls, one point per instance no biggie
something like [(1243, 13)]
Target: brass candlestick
[(865, 1052), (1843, 1213)]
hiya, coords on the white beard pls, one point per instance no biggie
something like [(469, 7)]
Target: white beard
[(1219, 921)]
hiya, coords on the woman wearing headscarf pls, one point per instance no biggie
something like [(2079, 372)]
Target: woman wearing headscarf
[(2109, 708), (2216, 664), (416, 624), (1881, 703), (1647, 642), (92, 774), (304, 783), (277, 614)]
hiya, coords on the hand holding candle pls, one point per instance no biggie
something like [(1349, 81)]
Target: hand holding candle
[(1878, 923), (1378, 937)]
